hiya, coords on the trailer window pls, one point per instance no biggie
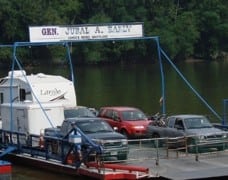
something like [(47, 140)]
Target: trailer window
[(22, 94)]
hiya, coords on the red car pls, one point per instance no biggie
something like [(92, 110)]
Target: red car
[(129, 121)]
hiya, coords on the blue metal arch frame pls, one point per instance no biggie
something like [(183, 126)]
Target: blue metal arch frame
[(160, 52)]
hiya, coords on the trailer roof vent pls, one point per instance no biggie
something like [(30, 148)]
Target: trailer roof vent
[(41, 75)]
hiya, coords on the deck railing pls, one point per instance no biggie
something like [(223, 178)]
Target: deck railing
[(152, 150), (169, 148)]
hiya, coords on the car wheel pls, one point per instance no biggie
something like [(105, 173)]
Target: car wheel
[(124, 132), (122, 157), (193, 146), (157, 142), (221, 147), (155, 135)]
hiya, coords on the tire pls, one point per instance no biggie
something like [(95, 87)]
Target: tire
[(192, 150), (191, 145), (155, 135), (122, 157), (159, 143), (221, 147), (125, 133)]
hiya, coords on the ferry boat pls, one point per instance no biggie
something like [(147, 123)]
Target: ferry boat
[(31, 103)]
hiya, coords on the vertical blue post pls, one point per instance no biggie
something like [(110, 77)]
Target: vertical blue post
[(11, 87), (70, 62), (224, 112), (163, 98)]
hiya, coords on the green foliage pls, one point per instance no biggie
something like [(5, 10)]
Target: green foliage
[(212, 23), (186, 27), (5, 56)]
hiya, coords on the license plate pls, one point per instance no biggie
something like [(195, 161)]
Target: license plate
[(114, 153)]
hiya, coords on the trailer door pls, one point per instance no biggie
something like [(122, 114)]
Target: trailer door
[(20, 120)]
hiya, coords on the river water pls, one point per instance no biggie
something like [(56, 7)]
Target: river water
[(139, 85)]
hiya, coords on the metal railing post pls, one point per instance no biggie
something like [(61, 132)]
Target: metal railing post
[(157, 152)]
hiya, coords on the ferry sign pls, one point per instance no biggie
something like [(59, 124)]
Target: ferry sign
[(85, 32)]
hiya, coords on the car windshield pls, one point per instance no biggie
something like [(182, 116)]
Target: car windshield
[(197, 123), (94, 127), (133, 115), (79, 112)]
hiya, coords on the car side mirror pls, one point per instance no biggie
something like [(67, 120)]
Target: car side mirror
[(116, 118)]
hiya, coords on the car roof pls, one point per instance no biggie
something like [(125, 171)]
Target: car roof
[(81, 119), (183, 116), (120, 108), (76, 107)]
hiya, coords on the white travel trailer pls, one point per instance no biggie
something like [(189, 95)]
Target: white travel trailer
[(30, 103)]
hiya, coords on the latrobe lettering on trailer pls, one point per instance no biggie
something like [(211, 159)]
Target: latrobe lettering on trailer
[(84, 32), (50, 92)]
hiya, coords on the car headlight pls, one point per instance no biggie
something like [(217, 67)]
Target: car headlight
[(99, 141), (224, 136), (139, 127), (124, 142), (202, 137)]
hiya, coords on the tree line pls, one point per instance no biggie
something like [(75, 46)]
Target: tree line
[(187, 28)]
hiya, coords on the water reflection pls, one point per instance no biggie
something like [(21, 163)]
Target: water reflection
[(139, 85), (28, 173)]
